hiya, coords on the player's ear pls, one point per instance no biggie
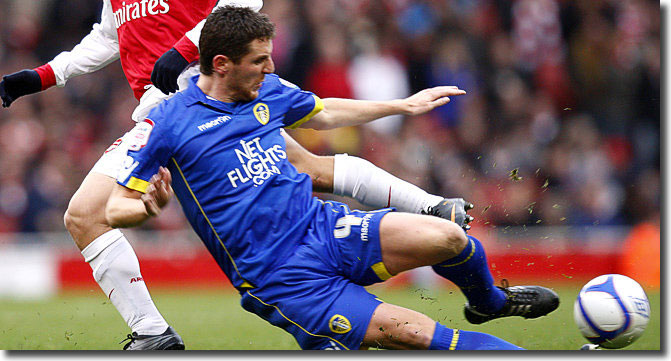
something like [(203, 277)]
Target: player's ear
[(221, 64)]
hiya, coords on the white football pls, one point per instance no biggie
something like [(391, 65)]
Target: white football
[(612, 311)]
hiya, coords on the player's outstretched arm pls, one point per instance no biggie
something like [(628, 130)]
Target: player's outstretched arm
[(18, 84), (96, 50), (129, 208), (339, 112)]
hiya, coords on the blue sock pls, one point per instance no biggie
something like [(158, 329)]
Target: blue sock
[(448, 339), (469, 270)]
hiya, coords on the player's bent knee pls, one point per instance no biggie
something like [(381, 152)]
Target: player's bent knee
[(454, 238), (85, 220), (76, 214), (70, 219), (76, 227), (322, 172)]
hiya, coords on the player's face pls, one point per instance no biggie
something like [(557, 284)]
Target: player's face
[(245, 78)]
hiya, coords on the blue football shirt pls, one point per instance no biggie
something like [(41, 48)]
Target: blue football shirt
[(230, 172)]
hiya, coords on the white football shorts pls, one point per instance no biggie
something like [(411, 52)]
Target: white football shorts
[(114, 157)]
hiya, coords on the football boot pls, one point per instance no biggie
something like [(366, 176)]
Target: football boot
[(452, 209), (168, 340), (524, 301)]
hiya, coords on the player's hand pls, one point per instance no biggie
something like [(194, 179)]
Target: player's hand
[(158, 192), (19, 84), (167, 70), (429, 99)]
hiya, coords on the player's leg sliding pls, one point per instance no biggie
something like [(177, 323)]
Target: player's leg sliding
[(451, 339), (470, 272), (362, 180), (117, 271), (372, 186)]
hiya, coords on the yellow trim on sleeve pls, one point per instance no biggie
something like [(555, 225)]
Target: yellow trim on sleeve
[(137, 184), (381, 271), (297, 325), (319, 106)]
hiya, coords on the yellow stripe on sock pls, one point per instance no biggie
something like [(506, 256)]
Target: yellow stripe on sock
[(455, 339), (467, 258)]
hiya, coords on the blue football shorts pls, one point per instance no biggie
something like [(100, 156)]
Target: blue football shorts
[(317, 295)]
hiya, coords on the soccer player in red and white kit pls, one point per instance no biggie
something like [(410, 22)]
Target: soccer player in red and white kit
[(157, 41)]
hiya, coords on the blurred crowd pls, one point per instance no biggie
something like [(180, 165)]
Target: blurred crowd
[(560, 126)]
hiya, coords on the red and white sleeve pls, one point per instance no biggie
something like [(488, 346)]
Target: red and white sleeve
[(96, 50)]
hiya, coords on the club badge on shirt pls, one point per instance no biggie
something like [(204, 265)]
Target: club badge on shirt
[(262, 113)]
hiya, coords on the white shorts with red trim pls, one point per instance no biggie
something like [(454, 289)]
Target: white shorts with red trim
[(112, 161)]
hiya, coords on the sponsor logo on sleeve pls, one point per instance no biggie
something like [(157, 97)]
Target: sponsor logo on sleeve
[(139, 135)]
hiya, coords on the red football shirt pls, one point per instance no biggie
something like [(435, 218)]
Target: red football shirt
[(148, 28)]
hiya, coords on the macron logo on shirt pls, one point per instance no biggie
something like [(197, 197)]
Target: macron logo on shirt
[(213, 123)]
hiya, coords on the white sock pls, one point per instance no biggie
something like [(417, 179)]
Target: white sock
[(117, 271), (362, 180)]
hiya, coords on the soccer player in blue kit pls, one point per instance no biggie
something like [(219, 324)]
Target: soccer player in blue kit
[(298, 262)]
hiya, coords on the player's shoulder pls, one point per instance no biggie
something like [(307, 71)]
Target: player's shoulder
[(167, 111), (271, 82), (277, 88), (275, 82)]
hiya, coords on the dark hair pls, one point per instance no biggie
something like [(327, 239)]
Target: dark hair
[(228, 31)]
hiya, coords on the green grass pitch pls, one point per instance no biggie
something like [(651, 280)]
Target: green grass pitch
[(214, 320)]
